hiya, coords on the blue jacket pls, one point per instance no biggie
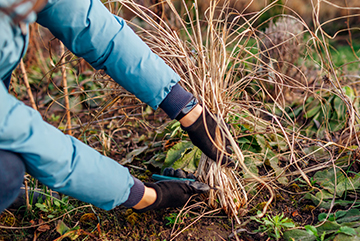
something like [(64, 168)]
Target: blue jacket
[(60, 161)]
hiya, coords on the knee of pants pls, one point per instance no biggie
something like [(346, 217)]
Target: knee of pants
[(12, 170)]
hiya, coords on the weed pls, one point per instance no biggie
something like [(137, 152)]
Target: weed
[(52, 206), (273, 226), (174, 219)]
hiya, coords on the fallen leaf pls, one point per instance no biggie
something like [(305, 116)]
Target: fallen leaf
[(43, 228), (87, 217), (296, 213)]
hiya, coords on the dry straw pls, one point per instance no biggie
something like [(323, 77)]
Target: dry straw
[(208, 54), (249, 77)]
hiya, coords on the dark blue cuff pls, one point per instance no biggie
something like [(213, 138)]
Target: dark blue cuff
[(175, 101), (136, 193)]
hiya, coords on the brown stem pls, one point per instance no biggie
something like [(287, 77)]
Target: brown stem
[(26, 81), (65, 86), (28, 206)]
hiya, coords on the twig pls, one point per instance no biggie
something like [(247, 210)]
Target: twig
[(33, 105), (26, 82), (28, 206), (65, 87)]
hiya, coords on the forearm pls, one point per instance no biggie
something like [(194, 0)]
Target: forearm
[(60, 161), (90, 31)]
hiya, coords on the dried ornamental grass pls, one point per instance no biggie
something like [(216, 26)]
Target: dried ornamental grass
[(207, 54), (228, 65)]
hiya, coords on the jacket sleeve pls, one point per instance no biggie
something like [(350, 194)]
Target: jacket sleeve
[(90, 31), (60, 161)]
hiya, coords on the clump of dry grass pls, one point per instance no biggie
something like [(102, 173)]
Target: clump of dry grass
[(233, 69), (209, 54)]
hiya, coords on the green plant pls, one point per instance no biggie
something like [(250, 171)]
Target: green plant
[(52, 206), (274, 225), (174, 219), (333, 183), (341, 225)]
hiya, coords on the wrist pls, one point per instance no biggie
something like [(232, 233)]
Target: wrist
[(148, 199), (192, 116)]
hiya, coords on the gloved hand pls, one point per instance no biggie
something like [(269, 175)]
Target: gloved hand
[(171, 172), (199, 137), (173, 193)]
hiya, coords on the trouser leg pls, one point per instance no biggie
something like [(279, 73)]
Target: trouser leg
[(12, 170)]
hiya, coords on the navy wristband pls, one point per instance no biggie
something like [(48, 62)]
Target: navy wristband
[(176, 101), (136, 193), (189, 107)]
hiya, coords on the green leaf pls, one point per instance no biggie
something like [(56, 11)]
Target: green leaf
[(243, 140), (336, 125), (325, 200), (130, 156), (288, 224), (311, 230), (339, 107), (322, 217), (157, 160), (310, 113), (42, 207), (298, 235), (277, 234), (329, 227), (351, 215), (189, 161), (340, 214), (347, 230), (251, 164), (343, 237), (349, 92), (322, 238), (317, 152), (326, 179), (176, 152), (57, 203), (295, 112), (274, 161), (61, 227)]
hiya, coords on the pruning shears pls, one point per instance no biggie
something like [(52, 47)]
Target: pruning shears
[(162, 178)]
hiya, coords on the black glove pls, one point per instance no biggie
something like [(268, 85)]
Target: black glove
[(199, 137), (173, 193), (171, 172)]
